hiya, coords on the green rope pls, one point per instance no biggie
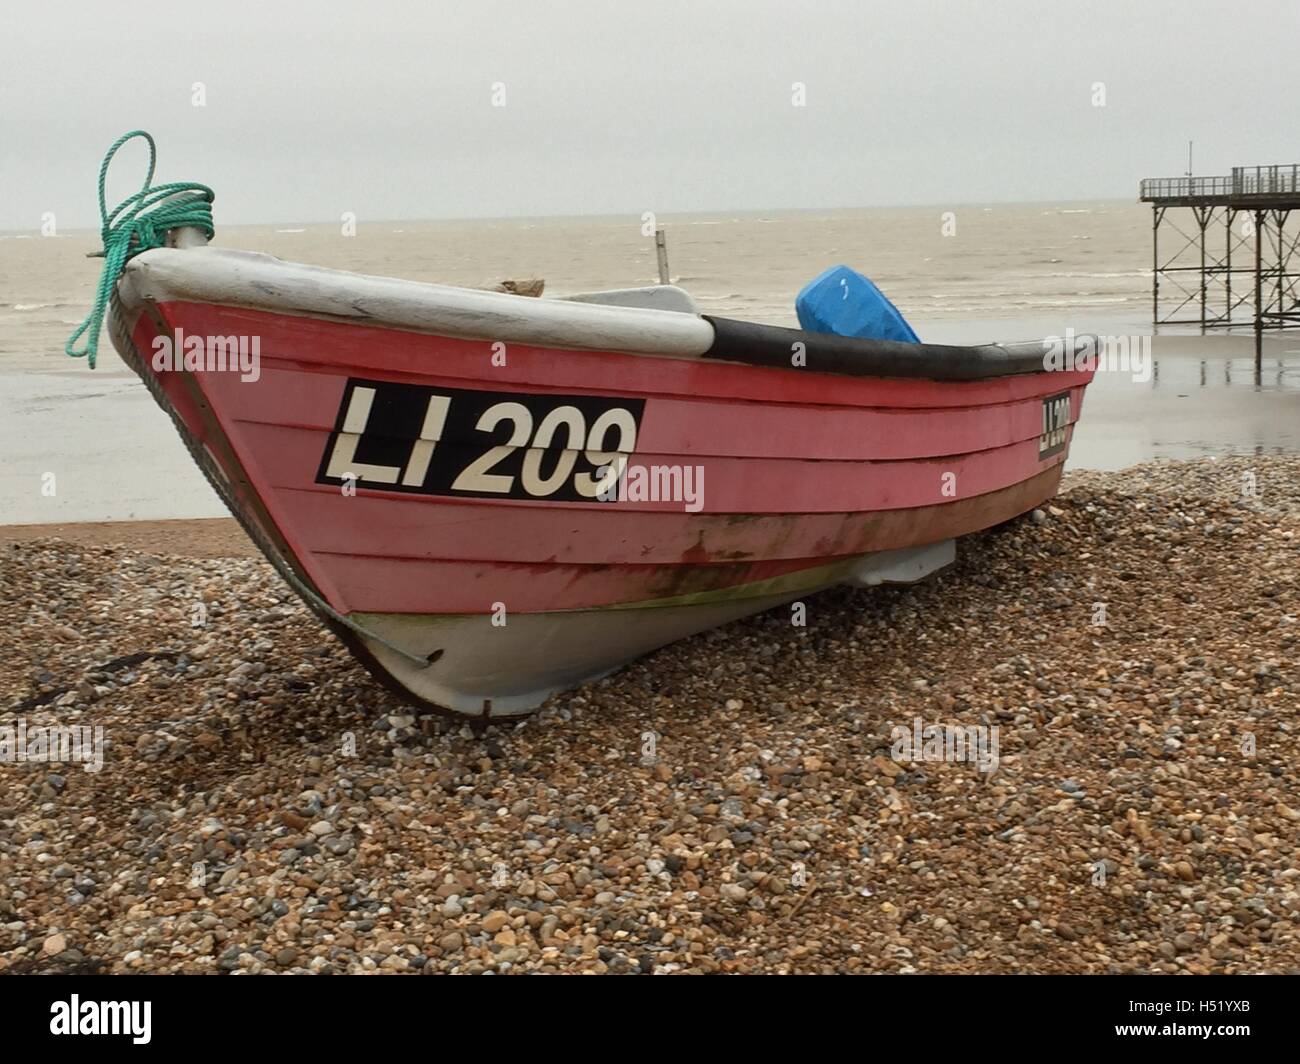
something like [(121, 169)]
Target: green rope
[(138, 223)]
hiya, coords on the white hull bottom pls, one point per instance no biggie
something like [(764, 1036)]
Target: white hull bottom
[(491, 671)]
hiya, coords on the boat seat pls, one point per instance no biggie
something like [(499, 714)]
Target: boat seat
[(651, 297)]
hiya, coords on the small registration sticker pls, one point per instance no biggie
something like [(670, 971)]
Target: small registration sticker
[(1056, 422)]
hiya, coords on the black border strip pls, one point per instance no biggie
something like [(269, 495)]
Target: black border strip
[(773, 346)]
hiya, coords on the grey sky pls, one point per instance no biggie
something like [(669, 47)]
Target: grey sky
[(385, 108)]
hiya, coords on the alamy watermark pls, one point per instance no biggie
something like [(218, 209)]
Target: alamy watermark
[(1091, 351), (977, 743), (53, 744), (211, 354), (624, 481), (77, 1017)]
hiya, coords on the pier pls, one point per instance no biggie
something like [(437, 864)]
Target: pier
[(1237, 258)]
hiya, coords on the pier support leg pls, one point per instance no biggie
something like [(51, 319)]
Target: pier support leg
[(1156, 213), (1259, 296), (1229, 214), (1202, 220), (1279, 220)]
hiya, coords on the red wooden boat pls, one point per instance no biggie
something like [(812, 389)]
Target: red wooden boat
[(449, 477)]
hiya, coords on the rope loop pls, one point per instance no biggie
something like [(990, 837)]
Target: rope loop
[(140, 222)]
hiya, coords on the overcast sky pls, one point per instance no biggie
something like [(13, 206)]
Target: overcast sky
[(386, 108)]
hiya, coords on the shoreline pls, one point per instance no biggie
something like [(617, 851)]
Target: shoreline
[(201, 537)]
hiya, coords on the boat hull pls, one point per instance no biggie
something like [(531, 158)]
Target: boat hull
[(461, 510), (503, 666)]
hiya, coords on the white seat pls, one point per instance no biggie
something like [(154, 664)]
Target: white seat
[(651, 297)]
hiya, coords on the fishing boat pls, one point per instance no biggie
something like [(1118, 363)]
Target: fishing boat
[(491, 498)]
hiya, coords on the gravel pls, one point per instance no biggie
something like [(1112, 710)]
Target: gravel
[(1143, 816)]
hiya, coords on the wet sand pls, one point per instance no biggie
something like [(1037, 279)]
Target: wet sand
[(207, 537)]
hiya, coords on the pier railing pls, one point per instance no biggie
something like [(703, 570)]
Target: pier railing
[(1244, 181), (1265, 180)]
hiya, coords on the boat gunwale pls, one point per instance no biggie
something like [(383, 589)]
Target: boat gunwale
[(261, 282)]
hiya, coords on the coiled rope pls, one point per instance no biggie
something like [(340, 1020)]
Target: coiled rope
[(138, 223)]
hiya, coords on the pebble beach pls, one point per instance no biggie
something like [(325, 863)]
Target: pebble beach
[(728, 804)]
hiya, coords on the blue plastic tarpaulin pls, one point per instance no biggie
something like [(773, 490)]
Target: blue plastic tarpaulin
[(843, 302)]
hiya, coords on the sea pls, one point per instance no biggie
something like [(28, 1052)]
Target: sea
[(974, 274)]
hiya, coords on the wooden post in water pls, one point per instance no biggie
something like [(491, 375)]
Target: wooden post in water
[(661, 250)]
